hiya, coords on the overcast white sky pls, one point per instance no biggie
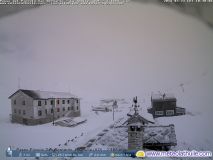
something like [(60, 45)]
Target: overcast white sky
[(106, 51)]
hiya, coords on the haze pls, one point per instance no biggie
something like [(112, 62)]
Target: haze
[(107, 51)]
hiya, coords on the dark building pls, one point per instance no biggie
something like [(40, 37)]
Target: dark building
[(164, 105)]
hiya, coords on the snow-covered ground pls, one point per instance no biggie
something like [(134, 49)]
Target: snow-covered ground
[(100, 52), (193, 132), (48, 136)]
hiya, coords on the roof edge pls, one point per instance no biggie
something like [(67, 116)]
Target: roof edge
[(14, 94)]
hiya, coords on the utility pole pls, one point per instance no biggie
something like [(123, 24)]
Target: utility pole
[(113, 108)]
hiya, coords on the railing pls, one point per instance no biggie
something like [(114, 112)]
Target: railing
[(180, 110)]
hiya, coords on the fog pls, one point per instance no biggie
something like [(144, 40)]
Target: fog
[(107, 51)]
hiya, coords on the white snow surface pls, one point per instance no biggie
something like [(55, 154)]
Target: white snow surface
[(48, 136), (149, 48)]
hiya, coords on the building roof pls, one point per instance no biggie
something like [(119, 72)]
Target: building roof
[(135, 124), (137, 119), (165, 96), (159, 135), (144, 114), (37, 94)]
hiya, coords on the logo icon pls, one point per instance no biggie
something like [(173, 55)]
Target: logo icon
[(140, 154)]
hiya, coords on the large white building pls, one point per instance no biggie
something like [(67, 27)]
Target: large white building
[(33, 107)]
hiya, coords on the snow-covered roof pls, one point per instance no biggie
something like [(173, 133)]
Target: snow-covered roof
[(143, 113), (37, 94), (159, 135), (165, 96), (152, 136), (135, 124)]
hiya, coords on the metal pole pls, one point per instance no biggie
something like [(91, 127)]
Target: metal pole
[(113, 111), (53, 113)]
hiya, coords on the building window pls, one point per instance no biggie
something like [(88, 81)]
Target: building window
[(138, 128), (51, 110), (76, 100), (23, 103), (72, 108), (63, 108), (159, 113), (51, 102), (24, 112), (14, 110), (77, 108), (45, 102), (58, 101), (68, 108), (39, 113), (19, 111), (46, 111), (14, 102), (132, 128), (170, 112), (58, 109), (68, 101), (63, 101), (39, 103)]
